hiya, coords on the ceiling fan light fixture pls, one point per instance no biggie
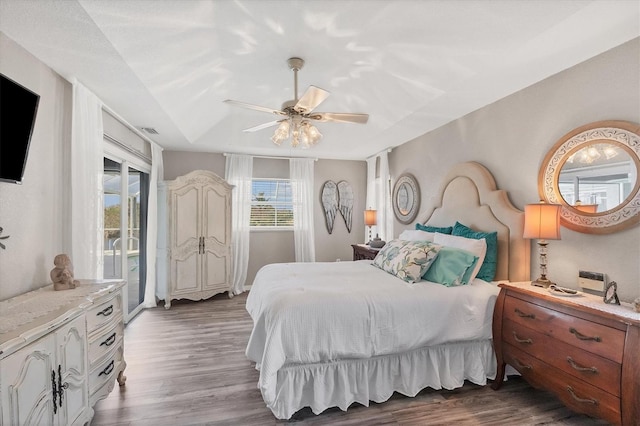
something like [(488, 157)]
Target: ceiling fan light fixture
[(301, 132), (299, 111), (310, 135), (282, 133)]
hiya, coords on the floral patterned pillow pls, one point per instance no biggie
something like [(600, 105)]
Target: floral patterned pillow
[(407, 260)]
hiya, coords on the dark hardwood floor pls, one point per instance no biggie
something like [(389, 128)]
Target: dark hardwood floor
[(186, 366)]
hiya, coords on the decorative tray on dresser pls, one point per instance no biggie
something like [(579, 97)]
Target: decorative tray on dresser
[(584, 351)]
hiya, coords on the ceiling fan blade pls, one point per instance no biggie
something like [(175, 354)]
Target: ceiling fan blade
[(313, 97), (262, 126), (340, 117), (255, 107)]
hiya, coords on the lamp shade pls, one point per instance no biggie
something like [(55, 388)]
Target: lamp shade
[(370, 217), (542, 221)]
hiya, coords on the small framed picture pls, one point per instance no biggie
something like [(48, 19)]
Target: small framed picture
[(611, 293)]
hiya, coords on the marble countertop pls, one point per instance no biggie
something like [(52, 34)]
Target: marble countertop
[(38, 307), (624, 310)]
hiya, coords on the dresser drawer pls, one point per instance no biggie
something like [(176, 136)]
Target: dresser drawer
[(574, 393), (100, 344), (596, 338), (594, 369), (105, 312), (105, 370)]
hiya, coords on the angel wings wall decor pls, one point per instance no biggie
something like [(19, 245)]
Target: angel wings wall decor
[(337, 198)]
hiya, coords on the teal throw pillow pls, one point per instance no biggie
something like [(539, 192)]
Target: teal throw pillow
[(489, 265), (442, 230), (452, 267)]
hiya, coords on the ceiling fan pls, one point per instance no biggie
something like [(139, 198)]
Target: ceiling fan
[(297, 114)]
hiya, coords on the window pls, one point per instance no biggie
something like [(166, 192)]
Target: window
[(271, 203)]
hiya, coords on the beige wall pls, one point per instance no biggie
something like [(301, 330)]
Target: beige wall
[(277, 246), (512, 136), (33, 213), (337, 245), (178, 163)]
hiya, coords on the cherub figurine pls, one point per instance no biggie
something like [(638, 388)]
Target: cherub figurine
[(62, 274)]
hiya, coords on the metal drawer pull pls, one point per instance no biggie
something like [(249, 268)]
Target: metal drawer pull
[(523, 315), (575, 366), (109, 340), (582, 336), (106, 311), (108, 369), (582, 400), (519, 340), (521, 365)]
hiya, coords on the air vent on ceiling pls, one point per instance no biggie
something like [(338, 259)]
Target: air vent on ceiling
[(149, 130)]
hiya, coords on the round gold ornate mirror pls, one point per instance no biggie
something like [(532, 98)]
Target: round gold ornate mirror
[(592, 172)]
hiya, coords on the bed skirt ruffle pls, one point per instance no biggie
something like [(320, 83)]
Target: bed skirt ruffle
[(343, 382)]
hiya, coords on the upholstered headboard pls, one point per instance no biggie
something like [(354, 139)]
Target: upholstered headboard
[(468, 194)]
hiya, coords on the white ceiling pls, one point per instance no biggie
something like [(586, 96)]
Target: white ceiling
[(411, 65)]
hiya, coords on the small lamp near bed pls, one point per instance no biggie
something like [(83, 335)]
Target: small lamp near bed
[(370, 219), (542, 222)]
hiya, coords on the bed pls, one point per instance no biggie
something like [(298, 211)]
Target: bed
[(331, 334)]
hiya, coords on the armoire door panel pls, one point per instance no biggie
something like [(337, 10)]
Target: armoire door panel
[(185, 212), (216, 206), (186, 274), (215, 271)]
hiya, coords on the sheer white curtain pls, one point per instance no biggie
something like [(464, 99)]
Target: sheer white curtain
[(239, 172), (372, 194), (379, 196), (385, 211), (157, 173), (301, 176), (86, 218)]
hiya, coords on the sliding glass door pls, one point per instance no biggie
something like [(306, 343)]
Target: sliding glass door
[(125, 229)]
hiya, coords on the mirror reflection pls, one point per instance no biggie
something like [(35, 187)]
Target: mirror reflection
[(598, 177), (405, 199)]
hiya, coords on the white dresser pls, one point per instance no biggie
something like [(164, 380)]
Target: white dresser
[(60, 352)]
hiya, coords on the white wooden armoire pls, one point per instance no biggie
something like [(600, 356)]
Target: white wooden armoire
[(199, 236)]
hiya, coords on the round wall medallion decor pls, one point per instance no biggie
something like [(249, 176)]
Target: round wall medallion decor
[(406, 198)]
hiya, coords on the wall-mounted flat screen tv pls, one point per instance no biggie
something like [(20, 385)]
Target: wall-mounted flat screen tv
[(18, 108)]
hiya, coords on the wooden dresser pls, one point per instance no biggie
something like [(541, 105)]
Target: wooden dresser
[(60, 352), (584, 351), (363, 251)]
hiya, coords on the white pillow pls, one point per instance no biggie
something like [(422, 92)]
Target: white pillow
[(477, 247), (416, 235)]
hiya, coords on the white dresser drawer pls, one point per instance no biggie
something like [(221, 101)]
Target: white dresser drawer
[(100, 344), (105, 370), (107, 311)]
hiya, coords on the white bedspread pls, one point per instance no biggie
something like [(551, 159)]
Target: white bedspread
[(317, 312)]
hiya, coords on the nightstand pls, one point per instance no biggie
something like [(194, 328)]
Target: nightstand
[(363, 251), (579, 348)]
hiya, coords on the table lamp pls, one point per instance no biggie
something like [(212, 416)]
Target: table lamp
[(542, 222), (370, 219)]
